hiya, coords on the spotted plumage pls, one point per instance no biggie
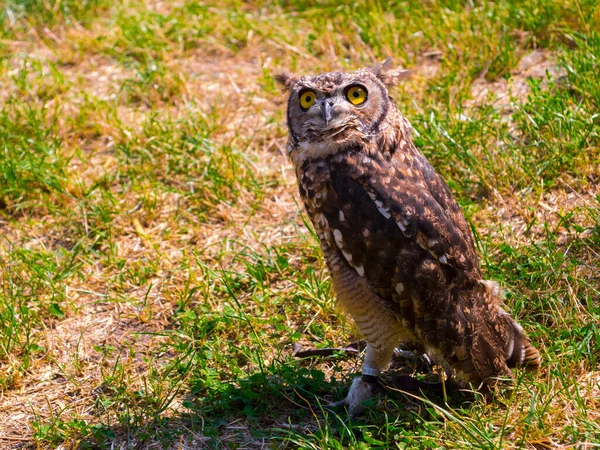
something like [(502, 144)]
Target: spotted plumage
[(400, 252)]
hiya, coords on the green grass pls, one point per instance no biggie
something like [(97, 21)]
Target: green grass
[(156, 267)]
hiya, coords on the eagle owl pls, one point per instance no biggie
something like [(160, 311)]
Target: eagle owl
[(399, 250)]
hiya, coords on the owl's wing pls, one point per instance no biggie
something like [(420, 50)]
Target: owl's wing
[(442, 232)]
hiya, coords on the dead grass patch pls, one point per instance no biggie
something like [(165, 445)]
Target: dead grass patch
[(146, 243)]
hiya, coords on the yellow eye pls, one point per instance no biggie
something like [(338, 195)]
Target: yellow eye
[(356, 95), (307, 99)]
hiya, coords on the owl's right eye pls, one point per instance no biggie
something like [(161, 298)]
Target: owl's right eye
[(307, 99)]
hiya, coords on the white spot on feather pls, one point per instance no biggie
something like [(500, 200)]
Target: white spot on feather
[(399, 288), (510, 348), (385, 212), (347, 255), (401, 226), (443, 259), (360, 270), (337, 235), (341, 216), (366, 232)]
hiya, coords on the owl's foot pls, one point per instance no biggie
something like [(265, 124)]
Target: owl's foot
[(363, 388)]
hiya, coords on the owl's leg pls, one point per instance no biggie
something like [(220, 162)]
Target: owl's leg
[(380, 349), (381, 329)]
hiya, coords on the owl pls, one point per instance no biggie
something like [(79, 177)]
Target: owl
[(399, 250)]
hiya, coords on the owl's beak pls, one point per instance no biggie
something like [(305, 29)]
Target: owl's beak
[(326, 112)]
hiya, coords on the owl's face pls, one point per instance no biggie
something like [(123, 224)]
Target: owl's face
[(337, 109)]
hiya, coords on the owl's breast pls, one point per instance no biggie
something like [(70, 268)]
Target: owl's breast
[(350, 223)]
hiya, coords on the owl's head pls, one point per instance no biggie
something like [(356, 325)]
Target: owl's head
[(338, 109)]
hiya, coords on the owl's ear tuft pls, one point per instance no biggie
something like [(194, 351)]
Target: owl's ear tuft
[(388, 76), (286, 80)]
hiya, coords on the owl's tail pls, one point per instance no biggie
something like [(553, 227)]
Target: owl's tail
[(518, 350)]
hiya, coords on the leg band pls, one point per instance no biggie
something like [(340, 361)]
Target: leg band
[(370, 371)]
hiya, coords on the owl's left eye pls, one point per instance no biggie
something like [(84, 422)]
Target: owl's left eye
[(307, 99), (356, 95)]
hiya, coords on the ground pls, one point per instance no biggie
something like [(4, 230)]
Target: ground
[(156, 267)]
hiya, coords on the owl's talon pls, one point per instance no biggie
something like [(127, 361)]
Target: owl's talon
[(363, 388), (338, 404)]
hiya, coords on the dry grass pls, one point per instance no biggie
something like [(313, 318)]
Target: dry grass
[(156, 266)]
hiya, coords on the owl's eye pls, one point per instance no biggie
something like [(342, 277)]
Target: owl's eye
[(307, 99), (356, 95)]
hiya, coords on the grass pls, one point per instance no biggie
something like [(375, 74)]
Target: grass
[(156, 267)]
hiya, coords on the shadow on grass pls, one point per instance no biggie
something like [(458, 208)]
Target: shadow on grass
[(280, 405)]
